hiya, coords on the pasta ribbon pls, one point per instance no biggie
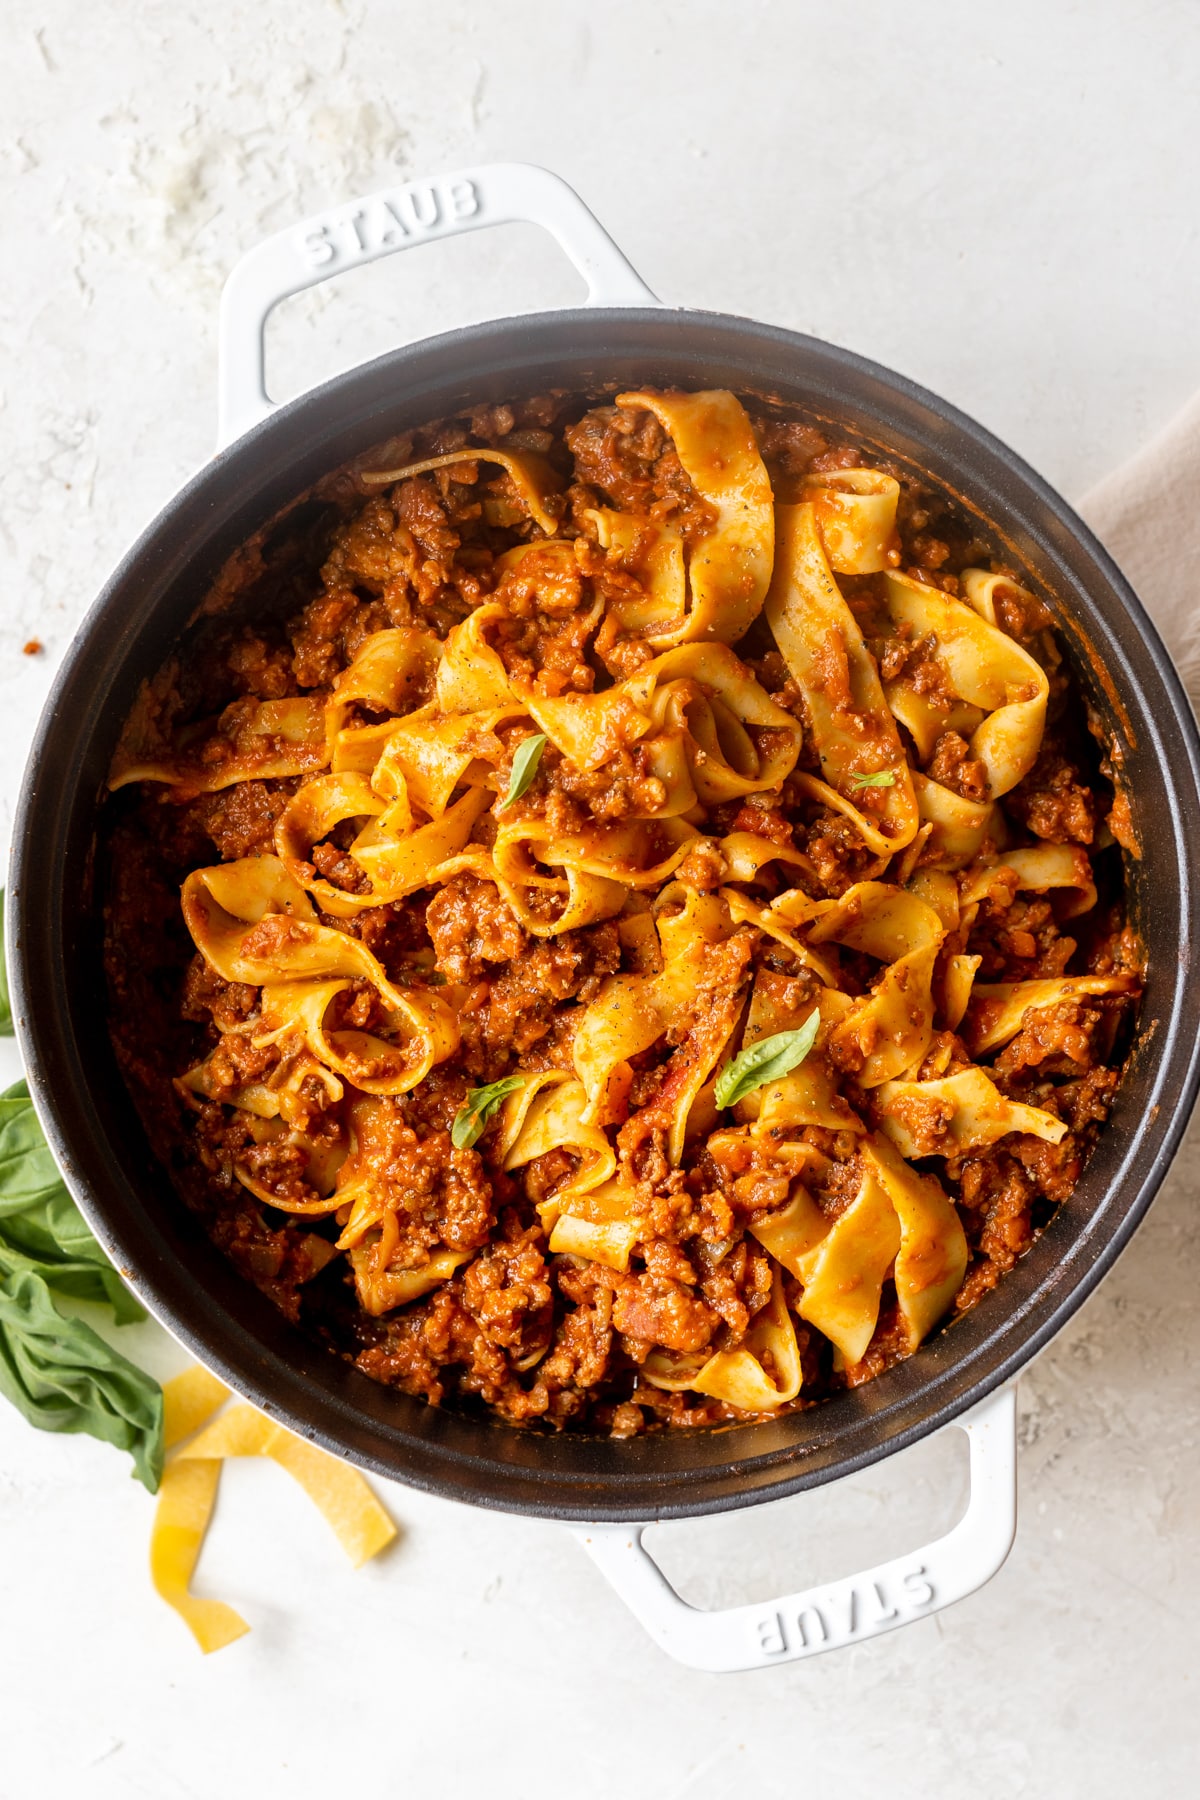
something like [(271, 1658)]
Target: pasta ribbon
[(762, 1374), (699, 699), (844, 1273), (781, 920), (319, 807), (960, 829), (381, 1290), (998, 1010), (653, 554), (602, 1225), (187, 1495), (932, 1258), (795, 1231), (888, 1030), (632, 1012), (545, 905), (339, 1492), (939, 888), (322, 1161), (986, 668), (514, 1109), (253, 922), (980, 589), (624, 1019), (284, 1094), (423, 1027), (189, 1401), (553, 1118), (823, 646), (398, 863), (730, 566), (532, 477), (809, 1094), (240, 913), (925, 716), (188, 1491), (855, 511), (590, 729), (1042, 869), (900, 1224), (395, 854), (632, 854), (391, 672), (263, 741), (471, 677), (747, 855), (961, 1112), (718, 704), (427, 755), (608, 1241), (590, 1214), (957, 981)]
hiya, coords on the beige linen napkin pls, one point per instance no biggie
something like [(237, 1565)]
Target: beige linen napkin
[(1147, 515)]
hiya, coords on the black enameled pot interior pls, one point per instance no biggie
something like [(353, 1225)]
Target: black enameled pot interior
[(56, 961)]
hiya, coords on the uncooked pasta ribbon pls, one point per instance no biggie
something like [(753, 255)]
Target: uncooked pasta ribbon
[(198, 1444)]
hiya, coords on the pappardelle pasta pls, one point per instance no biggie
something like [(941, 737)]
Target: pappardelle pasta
[(616, 913)]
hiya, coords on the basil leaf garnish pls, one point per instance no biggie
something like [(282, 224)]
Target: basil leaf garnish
[(524, 768), (40, 1225), (768, 1060), (63, 1377), (882, 778), (480, 1105), (6, 1022), (56, 1370)]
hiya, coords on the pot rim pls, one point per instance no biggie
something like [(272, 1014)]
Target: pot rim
[(884, 1416)]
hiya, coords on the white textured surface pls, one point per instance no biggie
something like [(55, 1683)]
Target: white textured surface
[(998, 200)]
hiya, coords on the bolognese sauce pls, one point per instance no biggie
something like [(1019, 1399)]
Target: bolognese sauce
[(615, 913)]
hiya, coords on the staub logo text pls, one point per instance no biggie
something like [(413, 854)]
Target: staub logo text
[(856, 1610), (389, 220)]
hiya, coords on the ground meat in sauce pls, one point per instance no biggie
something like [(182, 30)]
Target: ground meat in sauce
[(536, 1337)]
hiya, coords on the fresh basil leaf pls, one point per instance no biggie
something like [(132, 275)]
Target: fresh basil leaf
[(57, 1371), (881, 778), (768, 1060), (524, 768), (62, 1376), (28, 1172), (41, 1228), (6, 1020), (478, 1107), (80, 1278)]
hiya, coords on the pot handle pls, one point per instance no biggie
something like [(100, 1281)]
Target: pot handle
[(850, 1611), (379, 224)]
